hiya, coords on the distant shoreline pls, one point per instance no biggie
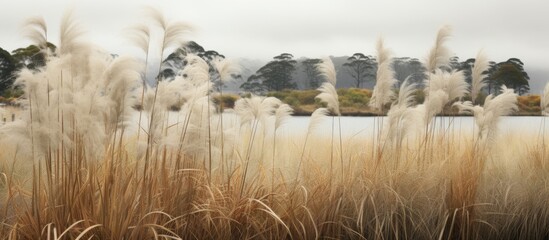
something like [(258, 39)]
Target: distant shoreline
[(371, 114)]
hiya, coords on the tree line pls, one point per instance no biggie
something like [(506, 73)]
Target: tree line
[(33, 58), (278, 74)]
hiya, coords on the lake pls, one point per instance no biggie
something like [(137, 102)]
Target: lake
[(365, 126)]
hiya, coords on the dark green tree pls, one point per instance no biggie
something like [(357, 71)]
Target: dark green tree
[(176, 60), (361, 68), (32, 57), (409, 68), (510, 73), (313, 75), (8, 67), (466, 67), (492, 84), (274, 76)]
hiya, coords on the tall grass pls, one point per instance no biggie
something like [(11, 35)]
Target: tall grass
[(76, 167)]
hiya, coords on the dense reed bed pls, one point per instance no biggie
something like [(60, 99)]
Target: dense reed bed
[(79, 165)]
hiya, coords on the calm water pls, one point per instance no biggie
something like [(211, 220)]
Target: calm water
[(365, 126), (356, 126)]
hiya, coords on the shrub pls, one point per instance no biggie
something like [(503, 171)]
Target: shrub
[(306, 97), (354, 97), (227, 99), (292, 101)]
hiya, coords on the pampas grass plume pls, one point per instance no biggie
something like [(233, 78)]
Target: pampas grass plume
[(328, 95), (478, 77), (327, 70), (383, 90), (282, 113), (36, 30), (544, 102), (226, 68), (487, 117), (439, 54)]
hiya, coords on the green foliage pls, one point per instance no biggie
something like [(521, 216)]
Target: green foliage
[(32, 57), (12, 92), (292, 101), (362, 68), (529, 103), (313, 75), (419, 96), (175, 62), (510, 73), (348, 97), (8, 68), (228, 100), (274, 76), (354, 97), (409, 68), (298, 97)]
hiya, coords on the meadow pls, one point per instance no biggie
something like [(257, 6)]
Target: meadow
[(81, 165)]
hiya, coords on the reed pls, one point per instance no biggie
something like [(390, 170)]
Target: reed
[(75, 166)]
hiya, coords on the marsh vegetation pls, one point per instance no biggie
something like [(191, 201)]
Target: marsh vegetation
[(80, 165)]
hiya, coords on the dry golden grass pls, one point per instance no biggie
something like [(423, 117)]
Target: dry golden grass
[(451, 192), (75, 168)]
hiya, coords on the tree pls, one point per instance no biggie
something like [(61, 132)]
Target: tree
[(7, 69), (210, 56), (511, 74), (360, 67), (32, 57), (466, 67), (313, 75), (274, 76), (492, 85), (409, 68), (175, 62)]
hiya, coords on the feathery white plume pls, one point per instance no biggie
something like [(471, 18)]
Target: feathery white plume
[(439, 55), (453, 83), (119, 78), (433, 105), (173, 35), (140, 35), (226, 68), (36, 30), (400, 117), (383, 53), (70, 32), (197, 70), (477, 74), (173, 31), (406, 94), (383, 93), (487, 117), (282, 114), (255, 108), (327, 70), (328, 95), (545, 100), (316, 119)]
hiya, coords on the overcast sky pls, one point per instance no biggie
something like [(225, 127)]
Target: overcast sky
[(313, 28)]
